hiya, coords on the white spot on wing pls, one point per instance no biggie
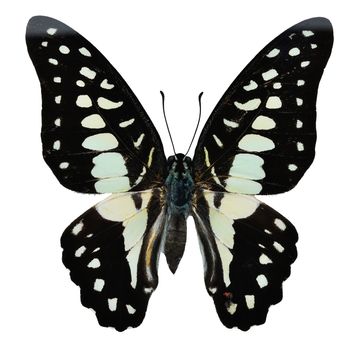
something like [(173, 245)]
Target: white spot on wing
[(300, 82), (94, 263), (230, 123), (280, 224), (300, 146), (87, 72), (307, 33), (58, 99), (126, 123), (93, 121), (270, 74), (138, 142), (246, 186), (108, 104), (273, 102), (44, 43), (108, 165), (64, 165), (77, 228), (294, 51), (250, 105), (53, 61), (206, 157), (85, 52), (57, 122), (57, 145), (80, 251), (106, 85), (100, 142), (57, 79), (99, 284), (263, 123), (247, 166), (112, 304), (222, 227), (51, 31), (255, 143), (130, 309), (150, 157), (226, 258), (273, 53), (133, 259), (251, 86), (80, 83), (264, 259), (277, 86), (218, 141), (231, 307), (64, 49), (134, 229), (250, 301), (262, 281), (292, 167), (299, 101), (83, 101), (278, 247), (304, 64)]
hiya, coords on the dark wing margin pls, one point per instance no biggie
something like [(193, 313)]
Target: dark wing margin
[(96, 136), (247, 250), (112, 253), (260, 138)]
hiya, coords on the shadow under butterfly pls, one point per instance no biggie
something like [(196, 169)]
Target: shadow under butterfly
[(259, 139)]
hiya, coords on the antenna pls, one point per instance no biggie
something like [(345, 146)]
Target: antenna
[(199, 119), (166, 122)]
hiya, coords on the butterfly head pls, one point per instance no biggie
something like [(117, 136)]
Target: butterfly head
[(180, 164)]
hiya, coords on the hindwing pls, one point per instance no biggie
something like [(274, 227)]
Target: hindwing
[(247, 250), (112, 252)]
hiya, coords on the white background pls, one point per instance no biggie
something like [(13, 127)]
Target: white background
[(182, 47)]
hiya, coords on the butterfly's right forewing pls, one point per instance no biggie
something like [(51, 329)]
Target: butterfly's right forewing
[(96, 136)]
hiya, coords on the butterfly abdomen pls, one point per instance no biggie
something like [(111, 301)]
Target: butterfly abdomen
[(180, 186)]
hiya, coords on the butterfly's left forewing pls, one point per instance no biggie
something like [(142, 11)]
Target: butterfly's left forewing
[(112, 252), (247, 249), (260, 138)]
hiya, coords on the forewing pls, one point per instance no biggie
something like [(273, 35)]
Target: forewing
[(96, 136), (247, 249), (112, 252), (260, 138)]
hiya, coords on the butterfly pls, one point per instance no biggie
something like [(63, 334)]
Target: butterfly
[(259, 139)]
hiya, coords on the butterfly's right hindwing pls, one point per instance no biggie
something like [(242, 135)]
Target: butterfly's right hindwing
[(112, 252), (96, 136), (247, 249)]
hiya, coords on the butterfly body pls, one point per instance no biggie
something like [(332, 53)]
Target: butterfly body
[(259, 139)]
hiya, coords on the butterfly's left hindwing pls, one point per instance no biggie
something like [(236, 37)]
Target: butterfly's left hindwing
[(96, 136), (112, 252), (247, 249)]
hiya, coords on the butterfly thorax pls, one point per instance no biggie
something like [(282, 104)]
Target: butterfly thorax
[(180, 186), (179, 183)]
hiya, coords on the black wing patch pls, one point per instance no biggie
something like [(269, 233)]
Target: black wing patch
[(260, 138), (112, 252), (96, 136), (247, 249)]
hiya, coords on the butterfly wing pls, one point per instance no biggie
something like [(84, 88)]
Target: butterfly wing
[(96, 136), (260, 138), (247, 250), (112, 252)]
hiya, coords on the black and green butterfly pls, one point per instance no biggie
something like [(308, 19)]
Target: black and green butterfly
[(260, 139)]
